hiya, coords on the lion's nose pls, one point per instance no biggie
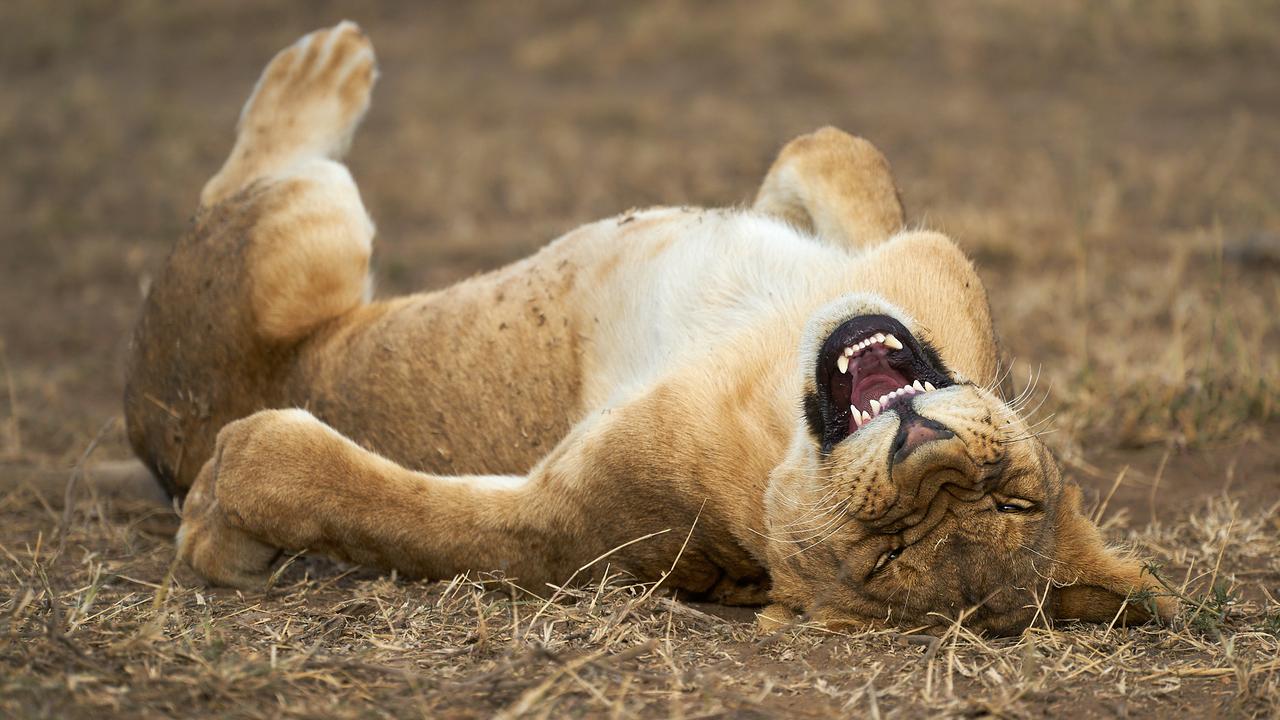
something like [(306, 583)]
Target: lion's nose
[(914, 431)]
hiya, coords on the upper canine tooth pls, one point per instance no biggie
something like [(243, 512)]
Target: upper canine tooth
[(917, 386), (843, 363), (929, 386), (875, 407), (892, 342)]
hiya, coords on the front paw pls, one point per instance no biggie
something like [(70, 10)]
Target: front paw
[(212, 544)]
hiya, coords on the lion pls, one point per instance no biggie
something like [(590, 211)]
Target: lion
[(790, 405)]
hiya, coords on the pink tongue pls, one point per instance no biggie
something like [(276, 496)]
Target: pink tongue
[(873, 387), (875, 377)]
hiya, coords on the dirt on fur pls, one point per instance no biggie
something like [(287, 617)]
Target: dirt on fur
[(1111, 168)]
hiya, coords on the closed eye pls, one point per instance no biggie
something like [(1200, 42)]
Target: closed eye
[(884, 560), (1015, 505)]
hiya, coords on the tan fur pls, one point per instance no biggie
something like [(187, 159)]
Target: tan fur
[(634, 390), (835, 185)]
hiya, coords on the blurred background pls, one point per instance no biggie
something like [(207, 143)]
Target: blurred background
[(1111, 166)]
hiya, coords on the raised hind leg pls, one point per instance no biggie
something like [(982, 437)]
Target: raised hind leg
[(309, 258), (281, 245), (306, 105), (835, 185)]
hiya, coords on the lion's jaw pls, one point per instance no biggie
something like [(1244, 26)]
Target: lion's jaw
[(961, 525), (913, 497)]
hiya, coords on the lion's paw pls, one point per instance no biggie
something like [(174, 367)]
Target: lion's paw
[(313, 94), (211, 543), (307, 104)]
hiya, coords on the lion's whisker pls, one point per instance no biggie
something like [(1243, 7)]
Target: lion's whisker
[(1047, 392), (816, 518), (817, 532), (1028, 389), (824, 538), (1028, 437), (995, 386)]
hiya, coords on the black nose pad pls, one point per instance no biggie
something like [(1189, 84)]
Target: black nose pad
[(915, 430)]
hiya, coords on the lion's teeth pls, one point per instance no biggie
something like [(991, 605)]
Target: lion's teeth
[(875, 406), (879, 337), (929, 386), (843, 364), (866, 417), (918, 387), (857, 417), (892, 342), (848, 352)]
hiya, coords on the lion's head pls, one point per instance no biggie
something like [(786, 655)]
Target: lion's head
[(913, 496)]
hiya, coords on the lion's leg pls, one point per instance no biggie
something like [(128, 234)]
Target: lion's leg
[(311, 238), (307, 104), (280, 246), (835, 185), (283, 479)]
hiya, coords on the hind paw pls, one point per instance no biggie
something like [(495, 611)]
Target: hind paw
[(314, 93), (308, 103)]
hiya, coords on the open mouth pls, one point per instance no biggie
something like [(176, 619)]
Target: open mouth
[(870, 365)]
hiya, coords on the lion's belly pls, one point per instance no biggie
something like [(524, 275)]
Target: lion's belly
[(480, 378), (488, 375), (690, 286)]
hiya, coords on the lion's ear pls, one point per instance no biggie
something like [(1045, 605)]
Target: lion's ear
[(1094, 584)]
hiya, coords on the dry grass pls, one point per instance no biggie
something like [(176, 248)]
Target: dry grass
[(93, 630), (1111, 167)]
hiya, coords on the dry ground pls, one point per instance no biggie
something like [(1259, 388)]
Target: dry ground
[(1113, 167)]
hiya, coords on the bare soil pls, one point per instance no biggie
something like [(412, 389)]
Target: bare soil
[(1112, 168)]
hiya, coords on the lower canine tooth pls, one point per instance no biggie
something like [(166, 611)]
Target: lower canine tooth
[(892, 342), (857, 416), (929, 386), (843, 364)]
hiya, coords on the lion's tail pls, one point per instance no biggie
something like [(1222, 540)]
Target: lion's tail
[(116, 480)]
